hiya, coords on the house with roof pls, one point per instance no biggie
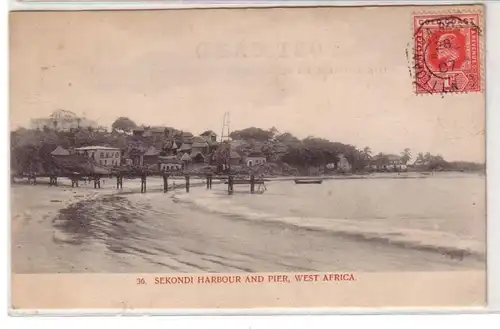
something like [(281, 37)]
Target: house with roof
[(158, 131), (106, 156), (255, 159), (197, 157), (212, 145), (387, 162), (185, 148), (170, 163), (200, 145), (170, 147), (150, 157), (185, 159), (209, 136), (235, 158), (138, 131), (187, 137), (59, 151)]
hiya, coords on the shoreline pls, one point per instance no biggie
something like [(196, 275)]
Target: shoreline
[(128, 231)]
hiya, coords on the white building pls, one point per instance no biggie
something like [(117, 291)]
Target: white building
[(343, 164), (62, 120), (255, 159), (106, 156), (170, 164)]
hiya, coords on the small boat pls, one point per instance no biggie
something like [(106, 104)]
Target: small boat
[(308, 181)]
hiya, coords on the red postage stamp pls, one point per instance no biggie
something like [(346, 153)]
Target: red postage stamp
[(447, 53)]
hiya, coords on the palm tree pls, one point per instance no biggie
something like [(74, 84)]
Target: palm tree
[(406, 155), (367, 152)]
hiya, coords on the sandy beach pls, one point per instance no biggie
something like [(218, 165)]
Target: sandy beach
[(74, 230), (37, 245)]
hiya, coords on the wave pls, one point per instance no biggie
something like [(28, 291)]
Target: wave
[(445, 243)]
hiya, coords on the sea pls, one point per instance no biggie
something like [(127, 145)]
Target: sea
[(376, 223)]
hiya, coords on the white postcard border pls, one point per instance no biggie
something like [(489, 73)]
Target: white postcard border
[(493, 144)]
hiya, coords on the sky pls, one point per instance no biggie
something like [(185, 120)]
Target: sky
[(338, 73)]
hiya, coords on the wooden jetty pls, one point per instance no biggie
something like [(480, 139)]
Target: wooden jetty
[(96, 176)]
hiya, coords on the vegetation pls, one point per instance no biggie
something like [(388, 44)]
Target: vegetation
[(123, 124), (252, 133), (406, 155), (30, 147)]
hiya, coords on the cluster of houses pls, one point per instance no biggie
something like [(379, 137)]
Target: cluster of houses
[(167, 149)]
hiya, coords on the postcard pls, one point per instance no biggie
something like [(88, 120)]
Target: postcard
[(248, 158)]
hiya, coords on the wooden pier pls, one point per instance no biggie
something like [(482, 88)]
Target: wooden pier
[(75, 178)]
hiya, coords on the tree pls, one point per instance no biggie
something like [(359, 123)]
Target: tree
[(123, 124), (420, 157), (207, 133), (437, 162), (254, 133), (274, 131), (406, 155), (287, 138), (366, 153)]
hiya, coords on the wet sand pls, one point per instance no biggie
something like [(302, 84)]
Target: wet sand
[(74, 230)]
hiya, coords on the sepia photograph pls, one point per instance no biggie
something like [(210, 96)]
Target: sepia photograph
[(310, 140)]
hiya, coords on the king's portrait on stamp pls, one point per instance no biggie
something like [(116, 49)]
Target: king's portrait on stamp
[(447, 53), (248, 158)]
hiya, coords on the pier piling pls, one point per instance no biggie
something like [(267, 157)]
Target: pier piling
[(187, 183), (252, 183), (119, 182), (53, 180), (230, 184), (165, 183), (209, 181), (143, 183)]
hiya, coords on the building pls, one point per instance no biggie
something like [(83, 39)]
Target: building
[(170, 163), (255, 159), (62, 120), (187, 137), (139, 131), (158, 131), (197, 157), (199, 145), (235, 158), (209, 136), (170, 147), (59, 152), (185, 148), (185, 159), (150, 157), (387, 162), (343, 164), (107, 156)]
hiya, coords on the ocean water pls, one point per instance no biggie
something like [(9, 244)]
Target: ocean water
[(376, 224), (445, 212)]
